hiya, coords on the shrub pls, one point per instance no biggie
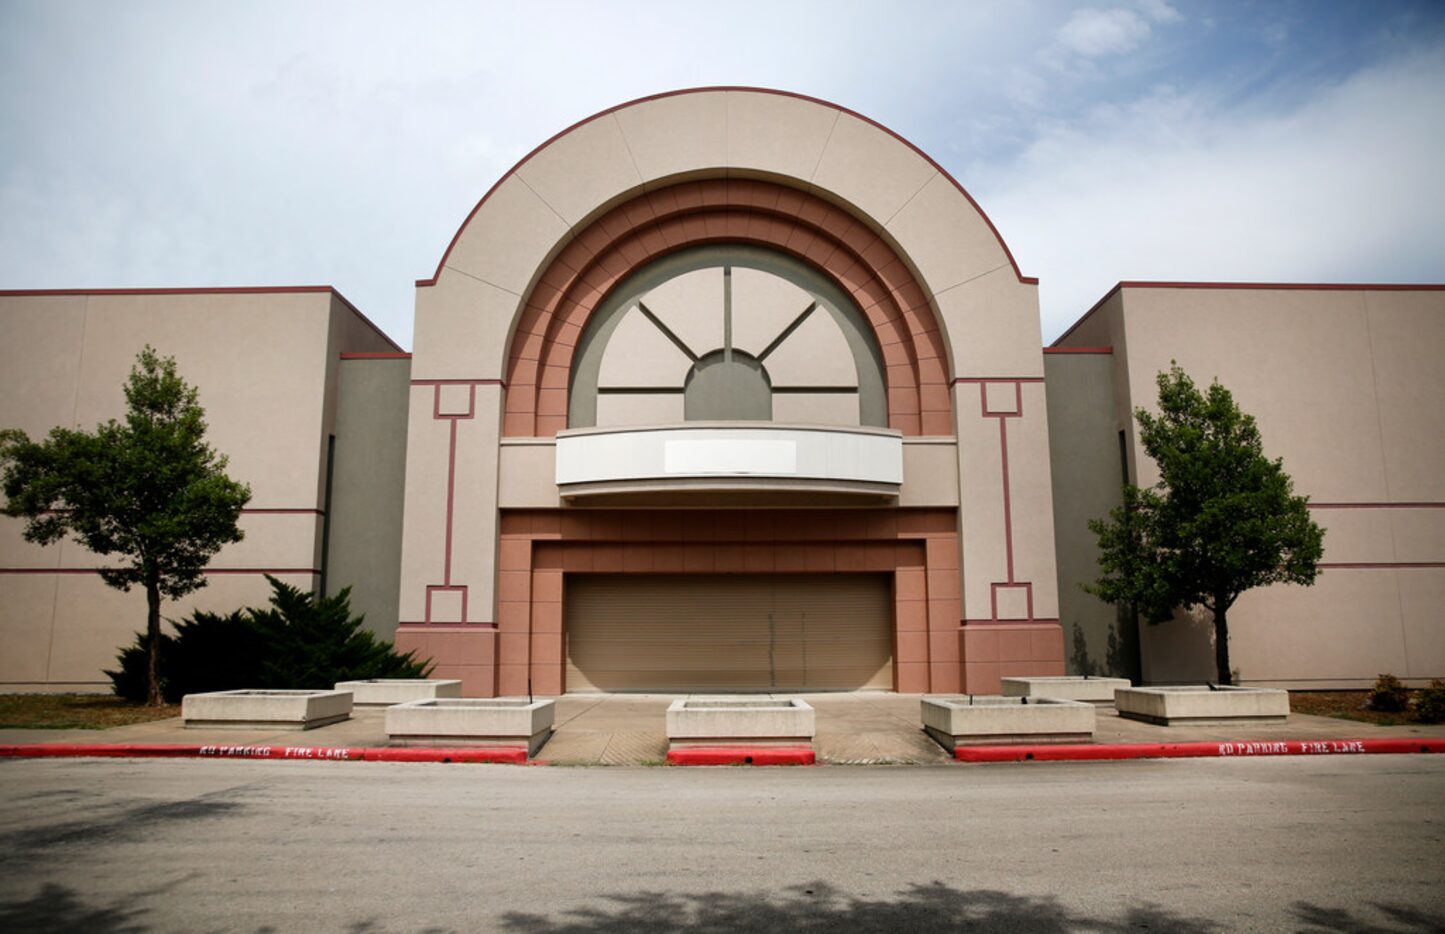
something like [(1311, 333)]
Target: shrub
[(312, 641), (1388, 695), (300, 641), (1430, 703), (129, 680), (215, 653), (208, 653)]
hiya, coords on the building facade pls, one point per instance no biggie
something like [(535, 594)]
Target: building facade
[(734, 389)]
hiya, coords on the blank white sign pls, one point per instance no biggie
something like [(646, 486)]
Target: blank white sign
[(712, 456)]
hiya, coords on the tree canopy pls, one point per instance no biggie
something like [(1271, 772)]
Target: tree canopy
[(148, 489), (1222, 519)]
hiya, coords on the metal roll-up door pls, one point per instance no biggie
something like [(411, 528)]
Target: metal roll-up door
[(763, 632)]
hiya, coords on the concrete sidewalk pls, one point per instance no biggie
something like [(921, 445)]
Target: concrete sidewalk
[(878, 728), (860, 728)]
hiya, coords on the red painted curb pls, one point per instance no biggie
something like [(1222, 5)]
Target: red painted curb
[(741, 755), (1083, 753), (516, 755)]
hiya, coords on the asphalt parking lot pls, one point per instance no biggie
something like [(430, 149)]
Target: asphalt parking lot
[(1317, 844)]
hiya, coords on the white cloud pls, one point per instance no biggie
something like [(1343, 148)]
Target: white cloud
[(1160, 11), (1344, 187), (198, 144), (184, 144), (1094, 33)]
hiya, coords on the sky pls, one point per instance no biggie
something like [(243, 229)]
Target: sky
[(178, 144)]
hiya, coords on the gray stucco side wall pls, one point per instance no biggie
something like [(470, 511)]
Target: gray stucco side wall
[(367, 485), (1084, 455)]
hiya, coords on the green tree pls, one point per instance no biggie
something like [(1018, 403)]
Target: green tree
[(147, 489), (1222, 519)]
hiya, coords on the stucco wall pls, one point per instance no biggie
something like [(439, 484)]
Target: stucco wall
[(367, 485), (1085, 455), (1346, 386), (261, 361), (488, 302)]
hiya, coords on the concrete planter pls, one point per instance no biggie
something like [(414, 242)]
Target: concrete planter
[(387, 691), (270, 710), (471, 721), (994, 720), (753, 720), (1065, 687), (1202, 703)]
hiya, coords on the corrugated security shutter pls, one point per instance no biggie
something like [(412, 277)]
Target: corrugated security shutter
[(765, 632)]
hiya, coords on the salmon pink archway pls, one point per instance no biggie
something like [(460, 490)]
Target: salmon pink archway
[(738, 211)]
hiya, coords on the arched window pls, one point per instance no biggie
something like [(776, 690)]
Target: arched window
[(727, 333)]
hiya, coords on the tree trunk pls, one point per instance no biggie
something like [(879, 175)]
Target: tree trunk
[(153, 637), (1221, 642)]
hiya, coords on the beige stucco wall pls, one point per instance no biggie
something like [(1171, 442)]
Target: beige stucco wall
[(264, 366), (1006, 515), (368, 487), (449, 528), (1084, 453), (989, 315), (987, 312), (1346, 386)]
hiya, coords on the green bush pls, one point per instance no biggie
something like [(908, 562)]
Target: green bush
[(129, 681), (208, 653), (300, 641), (1388, 695), (1430, 703), (313, 641)]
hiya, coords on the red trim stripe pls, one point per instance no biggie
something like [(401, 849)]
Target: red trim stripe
[(1377, 505), (200, 290), (514, 755), (741, 755), (459, 382), (1266, 286), (1086, 315), (312, 571), (1287, 286), (1232, 750), (997, 379), (214, 290), (421, 625), (451, 500), (1383, 565), (248, 511)]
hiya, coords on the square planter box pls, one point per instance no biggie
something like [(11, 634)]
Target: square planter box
[(991, 720), (387, 691), (1202, 703), (754, 720), (272, 710), (471, 721), (1065, 687)]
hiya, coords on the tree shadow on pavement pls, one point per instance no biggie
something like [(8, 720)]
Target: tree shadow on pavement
[(1319, 920), (57, 908), (114, 825), (816, 907), (820, 907)]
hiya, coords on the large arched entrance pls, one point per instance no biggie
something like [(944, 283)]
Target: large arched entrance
[(665, 392)]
